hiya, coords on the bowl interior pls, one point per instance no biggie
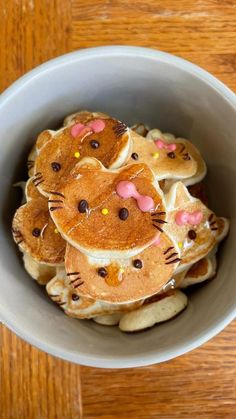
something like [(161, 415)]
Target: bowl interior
[(133, 85)]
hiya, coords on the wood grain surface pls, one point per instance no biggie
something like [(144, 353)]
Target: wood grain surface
[(201, 384)]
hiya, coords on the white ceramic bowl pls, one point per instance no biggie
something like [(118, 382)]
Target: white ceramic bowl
[(134, 84)]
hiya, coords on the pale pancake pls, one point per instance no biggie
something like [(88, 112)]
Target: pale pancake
[(190, 149), (100, 235), (178, 164), (153, 313), (208, 232), (80, 307), (199, 272), (59, 151), (124, 280), (41, 272), (108, 319)]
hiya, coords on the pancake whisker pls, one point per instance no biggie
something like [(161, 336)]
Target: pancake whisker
[(158, 213), (72, 273), (171, 256), (173, 261), (159, 221), (38, 183), (55, 208), (210, 217), (182, 149), (55, 200), (158, 228), (168, 250)]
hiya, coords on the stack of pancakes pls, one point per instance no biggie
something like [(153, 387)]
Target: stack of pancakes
[(115, 221)]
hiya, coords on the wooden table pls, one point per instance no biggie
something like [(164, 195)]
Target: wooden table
[(201, 384)]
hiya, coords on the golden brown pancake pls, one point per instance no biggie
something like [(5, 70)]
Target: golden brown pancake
[(34, 231), (59, 154), (122, 280), (166, 164), (102, 234)]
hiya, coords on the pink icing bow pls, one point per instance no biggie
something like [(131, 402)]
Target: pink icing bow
[(95, 126), (126, 189), (192, 218), (160, 144)]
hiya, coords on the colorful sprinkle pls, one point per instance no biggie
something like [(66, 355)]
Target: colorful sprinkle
[(122, 270), (77, 155), (180, 244), (56, 231), (156, 155), (105, 211)]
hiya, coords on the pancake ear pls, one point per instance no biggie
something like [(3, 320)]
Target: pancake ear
[(88, 165), (178, 196), (43, 138)]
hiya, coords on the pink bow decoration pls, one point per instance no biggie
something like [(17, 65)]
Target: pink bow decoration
[(95, 126), (192, 218), (126, 189), (161, 145)]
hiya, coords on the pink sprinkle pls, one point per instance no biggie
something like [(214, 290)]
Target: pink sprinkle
[(161, 144), (76, 130), (192, 218), (97, 125), (126, 189)]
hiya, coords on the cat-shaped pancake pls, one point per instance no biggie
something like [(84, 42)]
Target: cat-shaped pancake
[(81, 307), (34, 231), (106, 139), (122, 280), (192, 225), (169, 157), (109, 213)]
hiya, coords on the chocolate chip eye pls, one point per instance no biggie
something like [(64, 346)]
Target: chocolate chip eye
[(171, 155), (138, 264), (186, 157), (102, 272), (36, 232), (192, 234), (94, 143), (75, 297), (55, 166), (134, 156), (123, 214), (83, 206)]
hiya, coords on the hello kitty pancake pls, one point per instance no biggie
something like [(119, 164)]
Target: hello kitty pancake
[(106, 213), (34, 231), (192, 225), (81, 307), (106, 139), (122, 280), (186, 149), (169, 157)]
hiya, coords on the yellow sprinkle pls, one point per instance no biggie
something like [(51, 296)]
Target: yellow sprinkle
[(105, 211), (156, 155), (180, 244), (122, 270), (56, 231), (77, 154)]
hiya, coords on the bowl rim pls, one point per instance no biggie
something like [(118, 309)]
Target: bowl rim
[(8, 318)]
